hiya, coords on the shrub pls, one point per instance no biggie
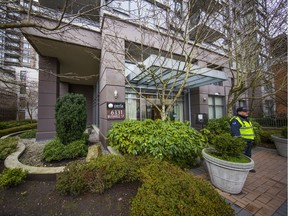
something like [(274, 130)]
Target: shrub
[(12, 177), (167, 190), (70, 117), (284, 132), (14, 123), (7, 146), (222, 126), (56, 151), (172, 141), (227, 146), (18, 128), (28, 134)]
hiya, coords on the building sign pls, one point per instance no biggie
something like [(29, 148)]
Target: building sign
[(115, 110)]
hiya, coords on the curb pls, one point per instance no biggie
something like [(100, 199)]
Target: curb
[(12, 162)]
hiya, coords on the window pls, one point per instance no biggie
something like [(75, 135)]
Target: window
[(178, 7), (242, 103), (216, 107), (22, 89), (23, 76)]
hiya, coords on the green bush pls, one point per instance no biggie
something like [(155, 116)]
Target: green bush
[(70, 117), (56, 151), (28, 134), (172, 141), (284, 132), (99, 174), (18, 128), (165, 190), (12, 177), (227, 146), (7, 146), (222, 125)]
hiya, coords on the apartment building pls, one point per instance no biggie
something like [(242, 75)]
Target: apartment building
[(19, 74), (134, 59)]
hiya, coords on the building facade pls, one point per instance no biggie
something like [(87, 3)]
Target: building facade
[(135, 60), (19, 73)]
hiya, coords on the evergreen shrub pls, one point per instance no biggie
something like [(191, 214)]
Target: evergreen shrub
[(165, 189), (70, 117), (172, 141), (168, 190), (7, 146), (12, 177), (28, 134), (55, 150), (219, 126)]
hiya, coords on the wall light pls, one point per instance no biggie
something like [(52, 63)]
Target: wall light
[(115, 94), (204, 98)]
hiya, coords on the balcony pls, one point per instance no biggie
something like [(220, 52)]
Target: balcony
[(90, 9), (206, 28)]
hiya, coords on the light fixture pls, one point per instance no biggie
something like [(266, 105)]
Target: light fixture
[(204, 98), (115, 94)]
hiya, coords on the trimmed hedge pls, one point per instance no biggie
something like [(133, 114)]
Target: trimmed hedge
[(165, 190), (70, 117), (14, 123), (18, 128)]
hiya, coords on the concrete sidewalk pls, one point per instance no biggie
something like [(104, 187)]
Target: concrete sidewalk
[(264, 192)]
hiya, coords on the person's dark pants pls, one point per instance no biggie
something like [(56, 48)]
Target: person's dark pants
[(248, 148)]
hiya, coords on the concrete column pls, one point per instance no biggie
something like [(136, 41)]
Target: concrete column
[(47, 96), (111, 79)]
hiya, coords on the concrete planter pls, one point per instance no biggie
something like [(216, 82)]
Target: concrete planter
[(227, 176), (281, 145)]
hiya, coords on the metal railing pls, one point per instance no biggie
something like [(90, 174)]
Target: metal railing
[(271, 122)]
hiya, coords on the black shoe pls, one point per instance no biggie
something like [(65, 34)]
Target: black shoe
[(252, 171)]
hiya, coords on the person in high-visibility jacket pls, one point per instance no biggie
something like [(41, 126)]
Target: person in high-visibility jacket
[(241, 126)]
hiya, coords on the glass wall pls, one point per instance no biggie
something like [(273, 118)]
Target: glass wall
[(149, 107)]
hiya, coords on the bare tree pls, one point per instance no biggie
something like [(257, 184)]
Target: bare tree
[(251, 26), (164, 57)]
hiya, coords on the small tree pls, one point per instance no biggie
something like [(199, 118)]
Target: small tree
[(70, 117)]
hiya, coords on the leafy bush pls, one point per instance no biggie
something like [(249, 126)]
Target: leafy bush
[(12, 177), (56, 151), (70, 117), (284, 132), (172, 141), (28, 134), (18, 128), (165, 190), (7, 146)]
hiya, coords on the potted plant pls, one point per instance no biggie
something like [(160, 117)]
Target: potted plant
[(227, 166), (281, 142)]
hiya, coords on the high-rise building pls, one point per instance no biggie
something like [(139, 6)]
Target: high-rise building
[(117, 47), (18, 69)]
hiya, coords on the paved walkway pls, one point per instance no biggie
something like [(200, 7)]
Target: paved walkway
[(264, 192)]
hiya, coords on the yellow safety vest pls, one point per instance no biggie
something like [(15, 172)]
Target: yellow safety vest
[(246, 130)]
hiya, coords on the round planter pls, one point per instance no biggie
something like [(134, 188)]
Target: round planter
[(281, 145), (227, 176)]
